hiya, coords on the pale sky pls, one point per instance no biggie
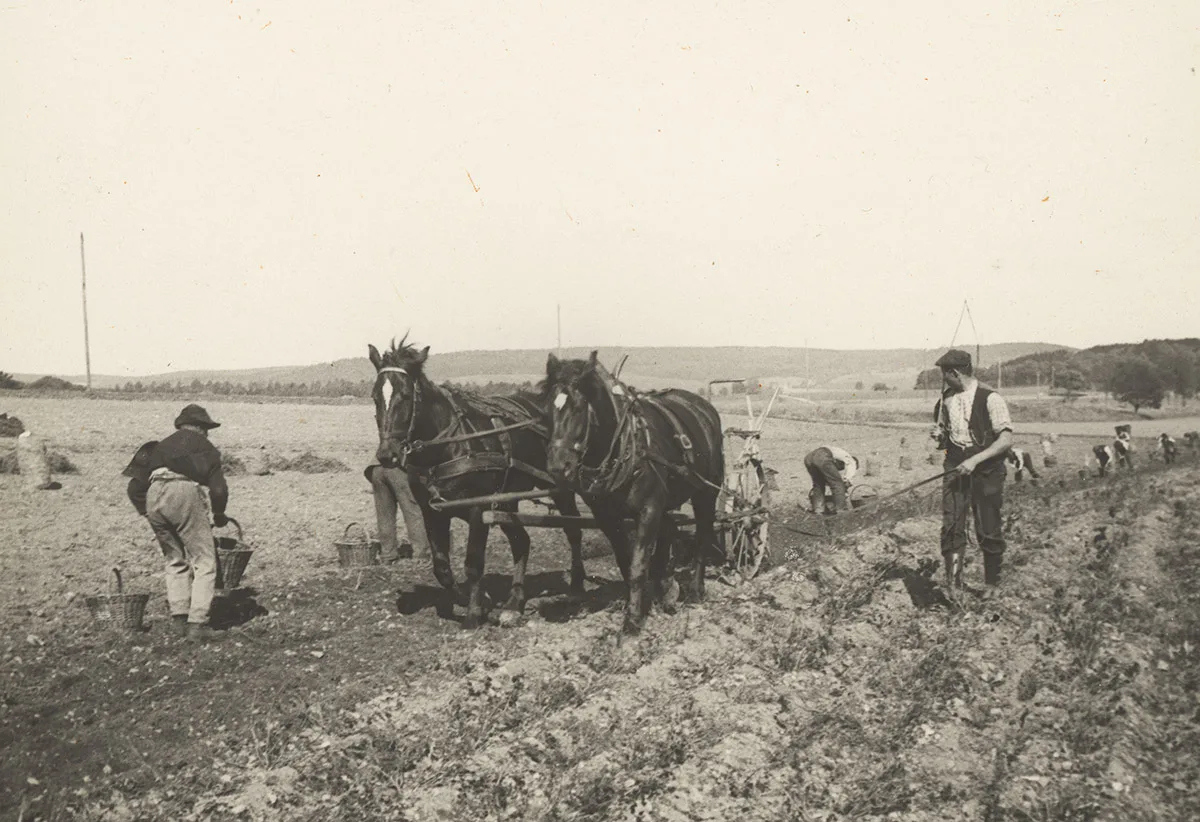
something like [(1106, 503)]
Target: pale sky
[(281, 183)]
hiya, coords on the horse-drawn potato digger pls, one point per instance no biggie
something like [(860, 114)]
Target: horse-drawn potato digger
[(635, 458)]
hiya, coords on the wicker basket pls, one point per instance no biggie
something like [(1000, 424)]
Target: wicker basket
[(232, 557), (861, 495), (355, 553), (119, 610)]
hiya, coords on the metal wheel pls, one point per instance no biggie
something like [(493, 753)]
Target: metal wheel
[(743, 521)]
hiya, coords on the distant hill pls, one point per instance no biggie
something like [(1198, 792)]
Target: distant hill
[(647, 367)]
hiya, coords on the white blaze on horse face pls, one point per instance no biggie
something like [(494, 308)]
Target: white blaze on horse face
[(560, 401), (618, 390), (386, 390)]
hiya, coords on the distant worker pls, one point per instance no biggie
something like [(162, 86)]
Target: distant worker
[(165, 488), (1123, 445), (973, 425), (1167, 443), (1192, 440), (831, 469), (1105, 456), (1021, 462)]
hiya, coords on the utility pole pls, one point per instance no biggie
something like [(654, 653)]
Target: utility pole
[(87, 348)]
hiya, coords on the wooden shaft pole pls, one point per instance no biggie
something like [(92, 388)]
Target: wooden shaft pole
[(87, 348)]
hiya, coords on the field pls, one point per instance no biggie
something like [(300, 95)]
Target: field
[(841, 684)]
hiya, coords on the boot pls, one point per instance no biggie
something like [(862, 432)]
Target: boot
[(991, 568), (199, 632), (179, 624)]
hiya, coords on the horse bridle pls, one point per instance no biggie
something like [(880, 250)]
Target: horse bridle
[(387, 433), (580, 445)]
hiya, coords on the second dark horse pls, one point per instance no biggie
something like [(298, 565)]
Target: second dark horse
[(430, 431), (638, 455)]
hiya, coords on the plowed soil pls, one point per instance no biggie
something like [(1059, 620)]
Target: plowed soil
[(842, 683)]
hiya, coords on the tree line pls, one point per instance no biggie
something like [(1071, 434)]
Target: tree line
[(1140, 374), (329, 388)]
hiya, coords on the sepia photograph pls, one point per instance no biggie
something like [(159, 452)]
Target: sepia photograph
[(653, 412)]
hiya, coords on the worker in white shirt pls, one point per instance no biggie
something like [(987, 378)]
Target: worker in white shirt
[(831, 469)]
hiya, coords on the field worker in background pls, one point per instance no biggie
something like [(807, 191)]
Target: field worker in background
[(973, 425), (1021, 462), (1123, 445), (390, 488), (831, 469), (165, 488), (1105, 456), (1167, 443)]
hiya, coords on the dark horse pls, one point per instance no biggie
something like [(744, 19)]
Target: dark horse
[(638, 455), (438, 435)]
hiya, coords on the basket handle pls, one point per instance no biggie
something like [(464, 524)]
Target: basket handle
[(366, 536), (117, 575), (236, 525)]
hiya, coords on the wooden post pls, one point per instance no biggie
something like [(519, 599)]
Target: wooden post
[(87, 349)]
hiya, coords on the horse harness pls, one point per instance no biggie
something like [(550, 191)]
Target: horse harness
[(631, 447), (462, 430)]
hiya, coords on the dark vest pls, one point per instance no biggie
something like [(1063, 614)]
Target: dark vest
[(979, 423)]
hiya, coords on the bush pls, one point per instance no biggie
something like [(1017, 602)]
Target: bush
[(7, 381), (59, 463)]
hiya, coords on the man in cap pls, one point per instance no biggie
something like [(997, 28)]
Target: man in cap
[(831, 469), (973, 426), (1169, 450), (165, 488)]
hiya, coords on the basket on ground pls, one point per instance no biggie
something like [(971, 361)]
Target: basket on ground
[(119, 610), (232, 557), (358, 550), (863, 494)]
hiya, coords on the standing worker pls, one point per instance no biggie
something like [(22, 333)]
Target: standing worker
[(390, 488), (974, 427), (831, 469), (1123, 446), (165, 488)]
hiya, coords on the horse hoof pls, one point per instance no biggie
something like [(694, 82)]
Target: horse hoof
[(633, 626), (515, 605), (508, 619), (471, 623)]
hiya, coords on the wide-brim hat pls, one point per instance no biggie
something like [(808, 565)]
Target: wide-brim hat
[(195, 415), (954, 358)]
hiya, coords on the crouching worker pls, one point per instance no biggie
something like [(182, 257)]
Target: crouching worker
[(1169, 450), (973, 425), (1105, 456), (831, 469), (1021, 462), (164, 487)]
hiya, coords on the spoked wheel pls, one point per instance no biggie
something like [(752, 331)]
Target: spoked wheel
[(743, 523)]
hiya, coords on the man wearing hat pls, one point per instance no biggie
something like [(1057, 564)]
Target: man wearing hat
[(165, 488), (973, 426)]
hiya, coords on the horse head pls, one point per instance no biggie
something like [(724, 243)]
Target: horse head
[(569, 392), (397, 395)]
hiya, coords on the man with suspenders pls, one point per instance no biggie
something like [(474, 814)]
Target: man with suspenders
[(973, 426)]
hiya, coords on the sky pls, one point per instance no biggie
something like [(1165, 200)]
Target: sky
[(278, 183)]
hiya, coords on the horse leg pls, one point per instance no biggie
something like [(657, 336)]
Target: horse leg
[(567, 507), (666, 592), (611, 522), (648, 522), (477, 535), (437, 529), (704, 506), (518, 540)]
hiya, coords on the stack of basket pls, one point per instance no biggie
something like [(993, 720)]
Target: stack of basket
[(118, 609), (355, 551), (232, 557)]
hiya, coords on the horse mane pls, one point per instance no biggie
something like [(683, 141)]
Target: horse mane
[(404, 355)]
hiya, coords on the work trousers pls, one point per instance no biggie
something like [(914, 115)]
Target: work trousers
[(178, 513), (982, 494), (390, 488), (825, 475), (1026, 465)]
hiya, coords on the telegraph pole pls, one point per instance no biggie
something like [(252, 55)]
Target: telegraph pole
[(87, 349)]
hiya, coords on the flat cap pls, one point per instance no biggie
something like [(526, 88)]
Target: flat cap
[(195, 415), (954, 358)]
